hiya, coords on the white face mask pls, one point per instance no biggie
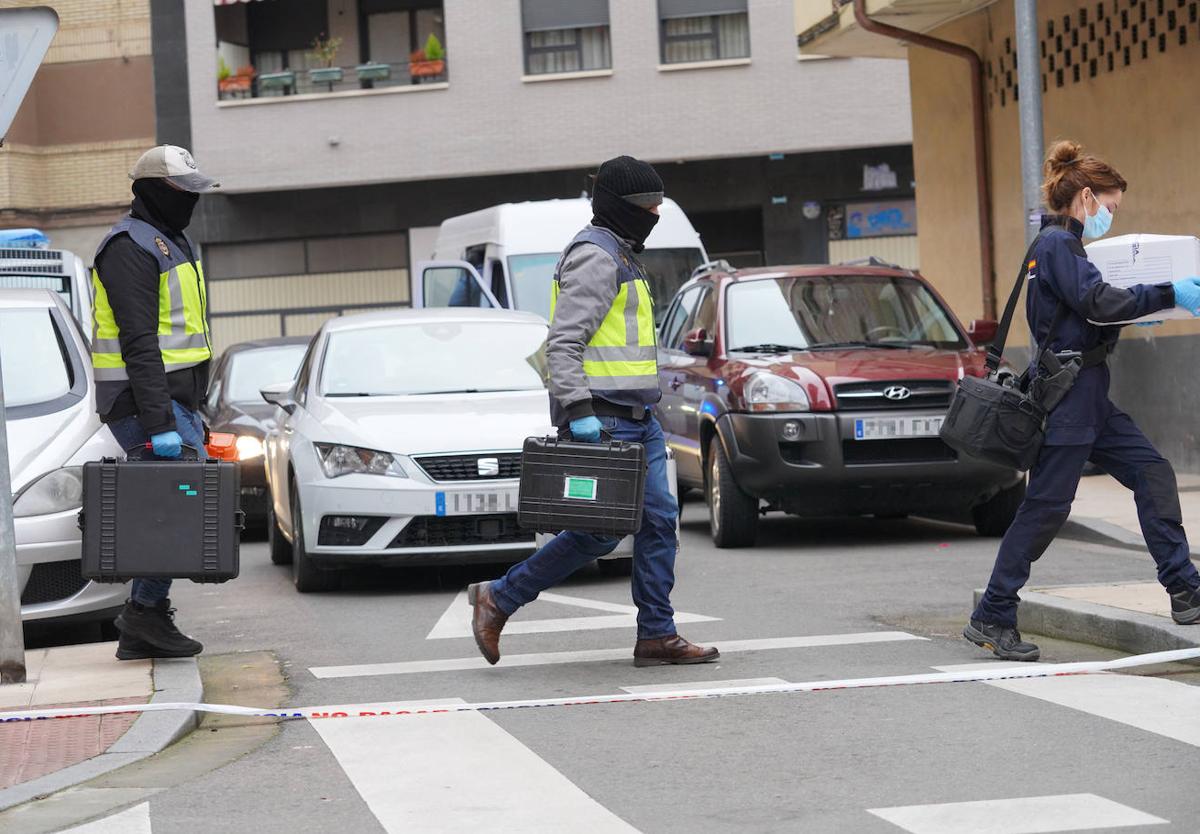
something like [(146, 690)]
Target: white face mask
[(1097, 225)]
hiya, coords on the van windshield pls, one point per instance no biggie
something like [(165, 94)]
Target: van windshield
[(533, 277)]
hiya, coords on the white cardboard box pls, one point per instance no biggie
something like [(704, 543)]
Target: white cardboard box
[(1128, 260)]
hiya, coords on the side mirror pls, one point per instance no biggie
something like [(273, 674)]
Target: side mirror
[(983, 331), (697, 343), (280, 394)]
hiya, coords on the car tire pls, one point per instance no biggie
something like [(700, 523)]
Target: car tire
[(306, 575), (732, 514), (994, 516), (277, 544), (616, 567)]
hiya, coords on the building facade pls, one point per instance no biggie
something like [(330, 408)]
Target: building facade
[(345, 131), (87, 117), (1117, 75)]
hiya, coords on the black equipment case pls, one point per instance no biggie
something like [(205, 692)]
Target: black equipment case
[(583, 487), (161, 519)]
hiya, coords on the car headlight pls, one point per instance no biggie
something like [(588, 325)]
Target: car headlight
[(768, 392), (249, 447), (54, 492), (337, 461)]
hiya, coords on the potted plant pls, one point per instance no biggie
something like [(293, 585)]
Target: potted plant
[(232, 83), (325, 50), (373, 71), (429, 62)]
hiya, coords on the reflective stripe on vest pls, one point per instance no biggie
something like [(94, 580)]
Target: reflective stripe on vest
[(622, 355), (183, 337)]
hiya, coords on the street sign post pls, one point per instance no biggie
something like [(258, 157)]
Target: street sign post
[(25, 35)]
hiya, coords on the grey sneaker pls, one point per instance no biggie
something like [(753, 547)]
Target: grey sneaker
[(1004, 641), (1185, 607)]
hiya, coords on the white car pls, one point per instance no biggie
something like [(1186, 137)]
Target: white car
[(52, 430), (399, 442)]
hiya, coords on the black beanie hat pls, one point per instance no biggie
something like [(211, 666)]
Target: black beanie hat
[(627, 177)]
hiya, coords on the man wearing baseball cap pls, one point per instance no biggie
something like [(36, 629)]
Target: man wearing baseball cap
[(151, 350)]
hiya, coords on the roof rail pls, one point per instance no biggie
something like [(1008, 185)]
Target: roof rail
[(871, 261), (720, 265)]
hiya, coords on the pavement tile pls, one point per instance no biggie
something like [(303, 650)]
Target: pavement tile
[(1101, 497), (1143, 597)]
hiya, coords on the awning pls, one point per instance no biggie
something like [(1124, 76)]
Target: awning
[(830, 29)]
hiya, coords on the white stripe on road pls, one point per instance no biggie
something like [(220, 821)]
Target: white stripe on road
[(1164, 707), (410, 667), (458, 772), (684, 687), (456, 619), (1026, 815), (135, 820)]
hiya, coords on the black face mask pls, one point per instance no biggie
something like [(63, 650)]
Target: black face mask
[(617, 214), (163, 205)]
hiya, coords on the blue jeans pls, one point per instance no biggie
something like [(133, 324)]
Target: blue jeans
[(129, 433), (654, 545)]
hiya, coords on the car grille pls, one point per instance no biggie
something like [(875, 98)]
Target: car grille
[(459, 530), (903, 450), (52, 581), (872, 396), (466, 467)]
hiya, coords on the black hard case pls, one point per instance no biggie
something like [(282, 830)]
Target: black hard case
[(619, 469), (161, 519)]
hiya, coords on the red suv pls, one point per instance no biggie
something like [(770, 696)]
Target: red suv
[(819, 391)]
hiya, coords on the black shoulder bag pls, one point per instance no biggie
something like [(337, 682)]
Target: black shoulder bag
[(992, 418)]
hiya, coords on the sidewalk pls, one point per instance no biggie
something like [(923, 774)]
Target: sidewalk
[(1132, 617), (84, 675)]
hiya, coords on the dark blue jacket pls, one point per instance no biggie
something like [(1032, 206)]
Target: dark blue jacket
[(1061, 273)]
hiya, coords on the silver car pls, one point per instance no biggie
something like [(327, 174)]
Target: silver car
[(52, 430)]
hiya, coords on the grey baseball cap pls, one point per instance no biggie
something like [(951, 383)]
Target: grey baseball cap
[(175, 164)]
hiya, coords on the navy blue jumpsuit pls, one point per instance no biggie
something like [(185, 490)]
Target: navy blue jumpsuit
[(1086, 425)]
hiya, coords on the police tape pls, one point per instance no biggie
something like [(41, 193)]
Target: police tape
[(433, 707)]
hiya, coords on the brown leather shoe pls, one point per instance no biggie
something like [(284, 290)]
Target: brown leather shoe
[(487, 621), (673, 650)]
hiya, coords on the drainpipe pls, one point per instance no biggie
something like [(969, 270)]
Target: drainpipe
[(982, 182)]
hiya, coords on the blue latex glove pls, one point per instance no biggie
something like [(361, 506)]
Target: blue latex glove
[(586, 429), (167, 445), (1187, 295), (1149, 323)]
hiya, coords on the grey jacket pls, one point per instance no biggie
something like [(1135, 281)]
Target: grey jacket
[(588, 286)]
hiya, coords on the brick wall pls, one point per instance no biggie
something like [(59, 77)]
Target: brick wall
[(94, 30), (61, 177)]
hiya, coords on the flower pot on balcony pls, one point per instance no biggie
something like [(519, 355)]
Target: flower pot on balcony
[(374, 72), (426, 69), (277, 80), (325, 75)]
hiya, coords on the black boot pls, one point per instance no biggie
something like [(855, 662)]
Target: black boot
[(1185, 607), (1004, 641), (149, 631)]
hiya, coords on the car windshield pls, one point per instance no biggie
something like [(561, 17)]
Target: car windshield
[(667, 269), (252, 370), (812, 313), (34, 365), (434, 357)]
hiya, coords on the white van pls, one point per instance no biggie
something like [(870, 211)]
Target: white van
[(28, 263), (504, 256)]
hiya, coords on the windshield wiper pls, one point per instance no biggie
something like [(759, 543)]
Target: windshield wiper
[(879, 345), (768, 347)]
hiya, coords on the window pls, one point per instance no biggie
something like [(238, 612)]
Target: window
[(673, 328), (703, 30), (252, 370), (706, 315), (43, 372), (565, 37)]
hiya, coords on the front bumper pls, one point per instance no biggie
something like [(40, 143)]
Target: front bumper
[(48, 564), (826, 471), (415, 523)]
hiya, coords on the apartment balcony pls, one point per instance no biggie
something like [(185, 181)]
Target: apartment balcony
[(827, 27), (274, 48)]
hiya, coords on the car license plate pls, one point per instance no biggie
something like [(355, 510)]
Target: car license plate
[(890, 428), (475, 503)]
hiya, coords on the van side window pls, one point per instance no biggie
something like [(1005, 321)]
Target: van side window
[(495, 280)]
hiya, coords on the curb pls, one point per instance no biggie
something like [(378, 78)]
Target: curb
[(1101, 625), (175, 681), (1098, 531)]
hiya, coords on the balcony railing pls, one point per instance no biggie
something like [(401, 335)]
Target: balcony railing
[(327, 80)]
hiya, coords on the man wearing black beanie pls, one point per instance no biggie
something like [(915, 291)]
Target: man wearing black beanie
[(603, 377)]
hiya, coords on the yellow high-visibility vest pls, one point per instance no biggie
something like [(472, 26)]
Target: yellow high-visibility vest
[(183, 334), (622, 355)]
